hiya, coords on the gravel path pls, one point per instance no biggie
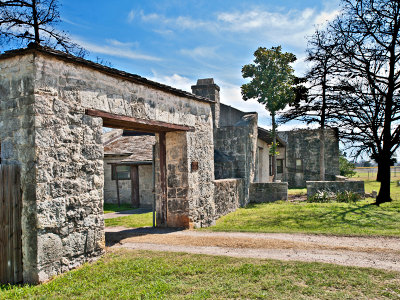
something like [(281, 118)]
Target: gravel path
[(375, 252)]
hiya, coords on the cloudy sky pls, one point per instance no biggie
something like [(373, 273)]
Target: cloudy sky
[(176, 42)]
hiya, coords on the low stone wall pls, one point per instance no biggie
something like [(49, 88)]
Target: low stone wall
[(268, 191), (227, 195), (335, 186)]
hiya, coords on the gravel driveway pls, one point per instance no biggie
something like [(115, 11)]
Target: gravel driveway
[(374, 252)]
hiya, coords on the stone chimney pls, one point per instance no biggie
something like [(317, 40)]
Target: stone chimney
[(208, 89)]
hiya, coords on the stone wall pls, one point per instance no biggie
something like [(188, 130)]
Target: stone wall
[(227, 194), (229, 115), (235, 152), (110, 186), (335, 186), (268, 192), (146, 194), (305, 145), (44, 128)]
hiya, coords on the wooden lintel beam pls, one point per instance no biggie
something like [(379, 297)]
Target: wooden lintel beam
[(131, 123)]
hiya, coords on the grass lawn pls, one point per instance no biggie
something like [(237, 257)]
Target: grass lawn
[(132, 221), (110, 208), (360, 218), (150, 275)]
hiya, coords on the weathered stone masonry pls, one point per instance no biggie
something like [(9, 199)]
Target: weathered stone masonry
[(44, 95)]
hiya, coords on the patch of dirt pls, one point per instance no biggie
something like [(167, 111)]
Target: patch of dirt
[(297, 198), (376, 252)]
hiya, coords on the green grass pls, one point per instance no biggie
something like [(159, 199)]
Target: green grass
[(154, 275), (110, 208), (361, 218), (297, 191), (132, 221)]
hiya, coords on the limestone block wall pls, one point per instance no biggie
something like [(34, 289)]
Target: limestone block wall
[(236, 149), (305, 145), (335, 186), (125, 186), (227, 194), (88, 88), (44, 128), (17, 138), (268, 192), (69, 183), (110, 187)]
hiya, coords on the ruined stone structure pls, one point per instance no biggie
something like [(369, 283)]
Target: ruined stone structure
[(302, 156), (268, 192), (354, 186), (128, 156), (235, 139), (53, 107)]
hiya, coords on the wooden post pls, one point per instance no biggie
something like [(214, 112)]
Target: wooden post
[(135, 186), (163, 178), (154, 185), (116, 180)]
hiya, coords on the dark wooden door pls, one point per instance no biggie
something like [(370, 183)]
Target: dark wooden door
[(135, 186), (10, 225)]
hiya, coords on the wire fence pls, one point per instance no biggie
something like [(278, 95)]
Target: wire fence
[(369, 173)]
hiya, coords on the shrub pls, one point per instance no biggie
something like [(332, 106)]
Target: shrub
[(328, 196), (348, 197), (322, 197)]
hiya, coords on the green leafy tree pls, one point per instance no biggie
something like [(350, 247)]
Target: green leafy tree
[(272, 84), (346, 167)]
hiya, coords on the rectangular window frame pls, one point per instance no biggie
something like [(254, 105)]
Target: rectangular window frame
[(114, 172), (279, 168), (299, 168)]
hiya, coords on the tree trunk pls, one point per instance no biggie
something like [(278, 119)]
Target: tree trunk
[(322, 132), (384, 176), (35, 22), (322, 155), (274, 147)]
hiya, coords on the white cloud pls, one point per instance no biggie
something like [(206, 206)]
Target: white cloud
[(288, 27), (200, 52), (114, 48), (175, 80), (131, 16), (122, 44)]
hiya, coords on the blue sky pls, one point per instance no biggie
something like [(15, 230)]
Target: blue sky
[(177, 42)]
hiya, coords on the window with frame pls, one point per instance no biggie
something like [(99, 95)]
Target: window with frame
[(279, 166), (122, 171), (299, 165)]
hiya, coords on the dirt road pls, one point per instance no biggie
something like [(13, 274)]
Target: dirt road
[(375, 252)]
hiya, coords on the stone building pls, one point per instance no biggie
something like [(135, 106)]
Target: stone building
[(128, 157), (53, 107)]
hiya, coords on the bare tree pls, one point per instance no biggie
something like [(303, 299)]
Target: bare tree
[(318, 105), (368, 58), (27, 21)]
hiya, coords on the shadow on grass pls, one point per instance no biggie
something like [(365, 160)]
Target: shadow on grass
[(113, 238)]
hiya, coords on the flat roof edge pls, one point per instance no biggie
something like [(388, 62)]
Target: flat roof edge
[(34, 48)]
